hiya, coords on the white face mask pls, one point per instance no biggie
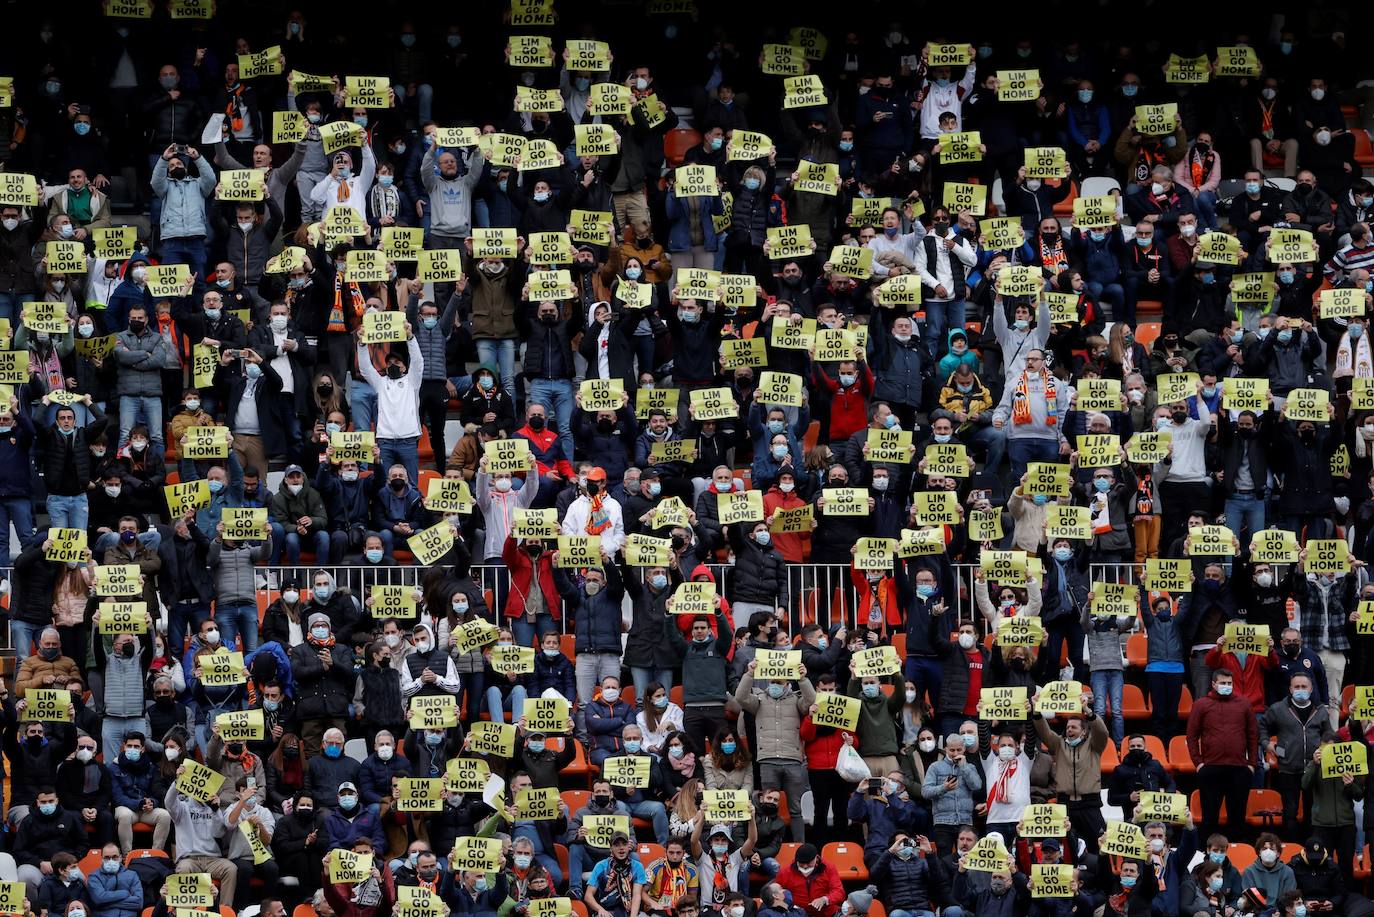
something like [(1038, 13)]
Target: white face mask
[(966, 641), (927, 746), (1006, 752)]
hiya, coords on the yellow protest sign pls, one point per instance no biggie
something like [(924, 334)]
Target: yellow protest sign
[(647, 551), (652, 109), (817, 177), (903, 290), (492, 739), (336, 135), (1148, 448), (1236, 60), (1052, 880), (241, 725), (796, 333), (629, 771), (388, 601), (780, 388), (344, 867), (1327, 556), (1247, 638), (1124, 839), (1346, 302), (353, 445), (1018, 85), (669, 512), (199, 782), (50, 317), (793, 521), (587, 55), (205, 443), (420, 794), (189, 495), (123, 617), (985, 525), (267, 62), (936, 507), (876, 661), (1048, 478), (289, 127), (606, 99), (477, 854), (812, 41), (843, 501), (242, 185), (115, 243), (221, 669), (1155, 120), (874, 553), (1218, 248), (726, 806), (1187, 69), (48, 705), (746, 146), (673, 450), (1114, 600), (1240, 393), (1068, 522), (245, 523), (529, 99), (402, 243), (1043, 821), (920, 542), (1342, 758), (782, 60), (777, 665), (1167, 575), (949, 459), (1046, 162), (1099, 450), (963, 146), (960, 197), (712, 404), (493, 243), (466, 775), (698, 283), (1098, 395), (1003, 233), (68, 546), (1059, 697), (1274, 546), (118, 580), (1003, 704), (1211, 540), (512, 660), (783, 242), (449, 495), (695, 181), (432, 543), (433, 711), (1094, 211), (507, 456), (190, 890), (601, 828), (537, 804), (1294, 246), (1256, 287), (1006, 568), (1022, 630), (530, 51), (168, 280), (290, 258), (14, 367), (1308, 404), (803, 92), (836, 711), (989, 854), (548, 715), (1362, 703), (1020, 280), (369, 266), (884, 445), (19, 189), (65, 258), (851, 261), (1171, 808), (190, 9), (535, 523)]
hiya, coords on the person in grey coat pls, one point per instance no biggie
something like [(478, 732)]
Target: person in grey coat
[(777, 711), (232, 562), (140, 353), (183, 222), (950, 785), (1299, 725)]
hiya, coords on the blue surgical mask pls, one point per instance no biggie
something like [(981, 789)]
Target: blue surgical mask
[(846, 146), (1208, 278), (434, 738), (1020, 324), (943, 438), (374, 555), (536, 745), (780, 451), (82, 128), (1287, 277), (676, 751), (1218, 858), (1301, 696), (1355, 330), (872, 691), (969, 741), (1085, 96), (1040, 499), (1128, 881), (776, 691), (1129, 90), (1063, 555), (541, 196), (728, 748), (252, 370), (322, 593), (925, 590), (775, 427), (717, 143), (752, 184), (1144, 242), (633, 273), (658, 581), (1286, 335), (654, 489), (133, 754), (430, 322), (1252, 187), (386, 180), (1210, 391), (1224, 690), (47, 808), (582, 83), (1097, 235), (216, 486), (320, 633), (1102, 484), (633, 746), (350, 802)]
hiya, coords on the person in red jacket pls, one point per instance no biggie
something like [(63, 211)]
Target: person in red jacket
[(850, 388), (374, 895), (550, 453), (793, 546), (531, 613), (829, 790), (1223, 741), (702, 574), (1248, 670), (815, 885)]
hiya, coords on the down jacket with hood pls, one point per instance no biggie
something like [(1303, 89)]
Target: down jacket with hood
[(128, 294), (952, 361), (760, 572), (777, 720), (477, 404), (183, 200)]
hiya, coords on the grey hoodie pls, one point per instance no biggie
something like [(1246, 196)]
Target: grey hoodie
[(235, 579), (198, 827)]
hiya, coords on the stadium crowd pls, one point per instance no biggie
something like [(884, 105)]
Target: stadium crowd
[(856, 469)]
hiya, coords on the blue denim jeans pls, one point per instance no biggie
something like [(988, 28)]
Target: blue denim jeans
[(1113, 293), (238, 620), (292, 541), (189, 251), (68, 512), (1107, 685), (654, 811), (501, 354), (1244, 512), (132, 409), (11, 305), (581, 859), (23, 636), (424, 101), (1025, 450), (514, 702), (991, 439), (526, 633), (1207, 208), (926, 673), (941, 316), (401, 452), (150, 539), (642, 677), (556, 395), (183, 618), (18, 510), (362, 401)]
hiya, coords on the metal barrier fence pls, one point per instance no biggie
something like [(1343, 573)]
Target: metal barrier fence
[(820, 593)]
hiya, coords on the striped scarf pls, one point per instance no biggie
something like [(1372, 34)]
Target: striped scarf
[(1020, 404), (337, 323)]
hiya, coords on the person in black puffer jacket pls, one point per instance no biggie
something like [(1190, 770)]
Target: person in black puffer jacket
[(903, 877), (323, 691), (1319, 879), (749, 223), (648, 654), (760, 580)]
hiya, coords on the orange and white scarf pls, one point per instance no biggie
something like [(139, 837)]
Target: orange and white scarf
[(1020, 402)]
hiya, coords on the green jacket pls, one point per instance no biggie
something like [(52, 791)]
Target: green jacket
[(877, 731), (286, 508), (1333, 803)]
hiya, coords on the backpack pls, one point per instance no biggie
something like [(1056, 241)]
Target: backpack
[(152, 874)]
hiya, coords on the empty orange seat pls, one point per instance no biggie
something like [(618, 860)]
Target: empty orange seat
[(1180, 762), (848, 858), (1137, 650), (1146, 333), (1110, 758), (1264, 809), (1133, 703), (648, 853), (1241, 856), (787, 853)]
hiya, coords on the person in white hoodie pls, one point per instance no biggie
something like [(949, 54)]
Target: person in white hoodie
[(940, 94), (341, 188), (498, 500)]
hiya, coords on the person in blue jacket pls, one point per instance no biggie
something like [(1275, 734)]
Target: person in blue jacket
[(132, 291), (114, 890), (884, 805), (352, 820)]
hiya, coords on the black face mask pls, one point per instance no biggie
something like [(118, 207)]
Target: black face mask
[(1307, 436), (1018, 664), (536, 423), (324, 388), (768, 808), (605, 426), (291, 752), (398, 485), (164, 703), (535, 549), (136, 327), (302, 814), (127, 651), (1291, 649), (1246, 432), (176, 173), (644, 243), (394, 371), (549, 319), (602, 801), (593, 488), (1178, 416)]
